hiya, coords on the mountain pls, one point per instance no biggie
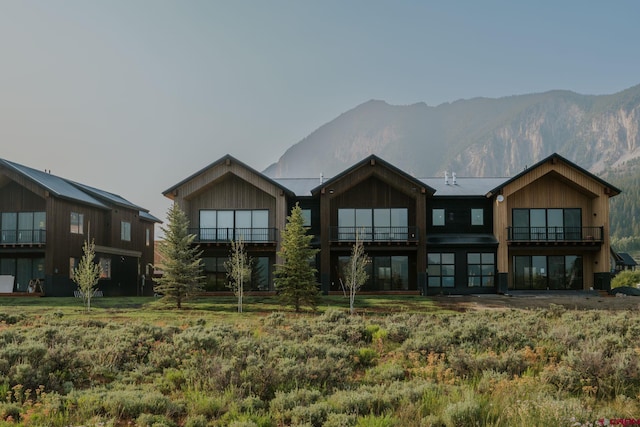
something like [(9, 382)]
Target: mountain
[(480, 137)]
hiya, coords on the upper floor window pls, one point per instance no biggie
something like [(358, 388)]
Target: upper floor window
[(77, 223), (147, 237), (226, 225), (23, 227), (306, 217), (547, 224), (477, 216), (376, 224), (125, 231), (437, 217)]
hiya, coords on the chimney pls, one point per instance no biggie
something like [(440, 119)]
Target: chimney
[(453, 178), (446, 178), (321, 178)]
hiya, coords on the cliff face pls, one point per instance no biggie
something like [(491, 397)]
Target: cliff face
[(477, 137)]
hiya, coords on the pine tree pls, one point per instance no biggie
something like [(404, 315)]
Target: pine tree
[(356, 271), (87, 274), (181, 266), (295, 277), (238, 269)]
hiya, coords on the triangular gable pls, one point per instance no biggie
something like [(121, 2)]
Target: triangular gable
[(567, 170), (378, 168), (212, 173)]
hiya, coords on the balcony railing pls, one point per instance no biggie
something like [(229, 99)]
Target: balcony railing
[(225, 235), (555, 234), (374, 234), (23, 237)]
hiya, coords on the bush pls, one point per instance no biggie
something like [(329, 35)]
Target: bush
[(626, 278)]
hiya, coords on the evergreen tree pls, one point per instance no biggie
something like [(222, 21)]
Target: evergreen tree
[(295, 277), (356, 271), (238, 269), (87, 274), (181, 266)]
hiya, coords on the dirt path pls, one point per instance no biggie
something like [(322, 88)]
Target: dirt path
[(536, 301)]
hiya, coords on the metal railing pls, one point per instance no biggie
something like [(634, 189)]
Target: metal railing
[(555, 234), (12, 237), (248, 235), (374, 234)]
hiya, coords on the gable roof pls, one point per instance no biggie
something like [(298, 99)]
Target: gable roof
[(225, 159), (373, 159), (613, 191), (74, 191), (55, 185)]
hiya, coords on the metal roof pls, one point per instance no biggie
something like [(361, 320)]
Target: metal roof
[(59, 187), (106, 196), (70, 190), (463, 186), (299, 186)]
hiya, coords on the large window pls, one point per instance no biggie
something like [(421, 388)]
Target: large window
[(77, 223), (441, 270), (23, 227), (547, 272), (25, 271), (217, 279), (547, 224), (227, 225), (386, 273), (481, 270), (381, 224)]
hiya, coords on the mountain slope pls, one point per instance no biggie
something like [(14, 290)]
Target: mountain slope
[(476, 137)]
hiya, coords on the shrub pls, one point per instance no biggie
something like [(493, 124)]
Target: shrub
[(626, 278)]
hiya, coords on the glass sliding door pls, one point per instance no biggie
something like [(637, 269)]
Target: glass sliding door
[(225, 226), (208, 225)]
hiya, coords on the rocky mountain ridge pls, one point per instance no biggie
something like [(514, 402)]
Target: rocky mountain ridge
[(476, 137)]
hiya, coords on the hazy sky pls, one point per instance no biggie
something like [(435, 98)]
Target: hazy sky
[(132, 96)]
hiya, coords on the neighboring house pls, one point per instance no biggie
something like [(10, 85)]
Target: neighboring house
[(621, 261), (44, 222), (546, 228)]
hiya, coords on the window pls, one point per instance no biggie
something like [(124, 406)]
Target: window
[(438, 217), (547, 224), (547, 272), (147, 237), (216, 274), (125, 231), (23, 227), (477, 216), (73, 264), (105, 263), (480, 270), (380, 224), (306, 217), (227, 225), (77, 223), (386, 273), (441, 270)]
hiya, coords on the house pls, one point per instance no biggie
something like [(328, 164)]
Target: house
[(44, 222), (546, 228), (621, 261)]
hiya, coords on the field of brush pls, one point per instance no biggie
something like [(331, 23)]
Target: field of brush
[(400, 361)]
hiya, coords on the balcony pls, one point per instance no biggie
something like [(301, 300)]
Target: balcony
[(565, 235), (374, 234), (23, 237), (226, 235)]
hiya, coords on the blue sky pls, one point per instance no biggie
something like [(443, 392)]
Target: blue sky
[(132, 96)]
